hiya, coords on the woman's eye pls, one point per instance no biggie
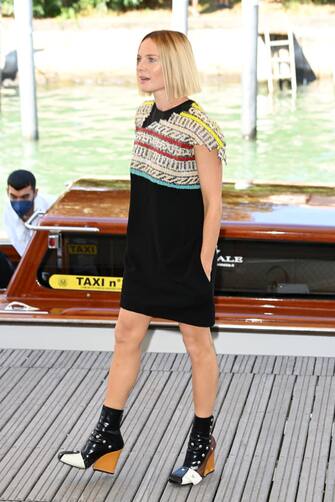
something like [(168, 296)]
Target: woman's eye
[(152, 60)]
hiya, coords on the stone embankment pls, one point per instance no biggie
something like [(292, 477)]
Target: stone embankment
[(103, 49)]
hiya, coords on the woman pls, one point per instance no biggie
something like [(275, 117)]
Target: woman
[(173, 228)]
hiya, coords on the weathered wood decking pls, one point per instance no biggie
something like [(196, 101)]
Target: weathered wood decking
[(274, 427)]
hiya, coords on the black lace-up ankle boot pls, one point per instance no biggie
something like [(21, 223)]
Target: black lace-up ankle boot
[(199, 459), (103, 447)]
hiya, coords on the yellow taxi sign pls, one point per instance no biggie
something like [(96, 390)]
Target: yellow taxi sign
[(85, 282), (90, 249)]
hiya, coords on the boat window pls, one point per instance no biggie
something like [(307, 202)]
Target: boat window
[(244, 267), (84, 262), (275, 268)]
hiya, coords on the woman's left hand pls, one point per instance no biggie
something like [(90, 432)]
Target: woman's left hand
[(207, 269)]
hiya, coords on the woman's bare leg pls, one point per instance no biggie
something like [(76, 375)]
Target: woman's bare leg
[(199, 458), (130, 330), (205, 371)]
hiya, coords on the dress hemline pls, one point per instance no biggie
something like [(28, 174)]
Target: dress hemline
[(151, 313)]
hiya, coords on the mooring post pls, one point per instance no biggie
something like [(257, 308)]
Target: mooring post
[(249, 71), (25, 53), (180, 15)]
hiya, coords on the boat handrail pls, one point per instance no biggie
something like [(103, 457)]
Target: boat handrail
[(22, 308), (55, 229)]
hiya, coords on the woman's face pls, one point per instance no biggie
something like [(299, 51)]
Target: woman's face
[(149, 69)]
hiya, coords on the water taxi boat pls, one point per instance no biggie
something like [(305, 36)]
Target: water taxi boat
[(275, 281)]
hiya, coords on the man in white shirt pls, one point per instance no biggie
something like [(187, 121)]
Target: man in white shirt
[(23, 201)]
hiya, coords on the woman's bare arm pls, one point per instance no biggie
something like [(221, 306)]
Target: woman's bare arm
[(210, 174)]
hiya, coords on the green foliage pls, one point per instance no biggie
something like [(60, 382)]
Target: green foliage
[(41, 8), (70, 8), (49, 8), (123, 4), (7, 8), (287, 3)]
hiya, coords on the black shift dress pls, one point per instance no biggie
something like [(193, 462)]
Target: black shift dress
[(163, 274)]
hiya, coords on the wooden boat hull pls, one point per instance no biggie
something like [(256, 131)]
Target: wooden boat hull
[(275, 273)]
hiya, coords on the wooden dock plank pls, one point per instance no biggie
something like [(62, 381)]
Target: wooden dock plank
[(163, 362), (6, 356), (324, 366), (244, 364), (134, 431), (45, 425), (236, 469), (329, 495), (264, 365), (314, 467), (76, 480), (59, 477), (87, 360), (286, 475), (47, 359), (9, 378), (226, 362), (264, 460), (182, 362), (16, 358), (22, 396), (304, 366), (147, 360), (51, 474), (67, 359), (274, 421), (284, 365)]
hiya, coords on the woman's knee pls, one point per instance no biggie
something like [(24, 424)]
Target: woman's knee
[(130, 328), (197, 340), (126, 335)]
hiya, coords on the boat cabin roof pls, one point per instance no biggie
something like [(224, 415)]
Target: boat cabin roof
[(261, 203)]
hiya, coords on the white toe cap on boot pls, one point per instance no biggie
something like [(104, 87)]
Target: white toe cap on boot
[(191, 476), (74, 459)]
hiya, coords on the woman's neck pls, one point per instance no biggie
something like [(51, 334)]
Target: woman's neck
[(163, 103)]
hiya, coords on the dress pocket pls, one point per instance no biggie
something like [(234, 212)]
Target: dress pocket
[(203, 272)]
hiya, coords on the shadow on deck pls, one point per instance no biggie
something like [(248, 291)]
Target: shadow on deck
[(274, 425)]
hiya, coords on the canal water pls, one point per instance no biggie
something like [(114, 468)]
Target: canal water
[(87, 130)]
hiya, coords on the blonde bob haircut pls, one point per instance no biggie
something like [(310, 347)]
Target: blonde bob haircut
[(180, 73)]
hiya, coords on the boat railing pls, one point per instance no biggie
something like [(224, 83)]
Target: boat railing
[(55, 229)]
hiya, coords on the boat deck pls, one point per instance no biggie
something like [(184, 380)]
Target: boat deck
[(274, 428)]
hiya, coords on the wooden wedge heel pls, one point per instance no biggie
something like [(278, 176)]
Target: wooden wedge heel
[(107, 463), (210, 464)]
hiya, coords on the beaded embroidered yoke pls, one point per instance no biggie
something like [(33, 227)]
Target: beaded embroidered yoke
[(164, 151)]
